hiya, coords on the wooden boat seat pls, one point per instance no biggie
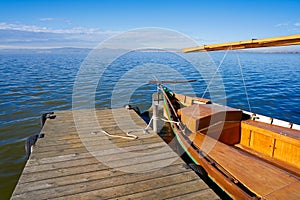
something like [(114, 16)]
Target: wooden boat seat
[(292, 133), (263, 179), (188, 101), (199, 116), (225, 132), (275, 142)]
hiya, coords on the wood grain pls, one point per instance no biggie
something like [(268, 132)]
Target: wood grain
[(72, 163)]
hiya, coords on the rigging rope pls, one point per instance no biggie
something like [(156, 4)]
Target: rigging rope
[(216, 71), (241, 69), (218, 68)]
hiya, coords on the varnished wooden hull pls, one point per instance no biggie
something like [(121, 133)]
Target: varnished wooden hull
[(236, 180), (224, 182)]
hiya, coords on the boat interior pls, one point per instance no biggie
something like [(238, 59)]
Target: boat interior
[(261, 153)]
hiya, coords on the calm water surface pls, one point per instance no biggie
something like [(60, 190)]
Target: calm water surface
[(31, 84)]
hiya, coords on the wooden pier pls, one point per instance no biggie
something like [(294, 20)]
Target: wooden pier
[(76, 159)]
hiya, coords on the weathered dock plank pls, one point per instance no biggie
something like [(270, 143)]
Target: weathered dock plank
[(76, 160)]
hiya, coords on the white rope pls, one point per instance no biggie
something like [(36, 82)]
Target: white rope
[(165, 120), (174, 111), (162, 119), (129, 136), (145, 129), (218, 68), (241, 69)]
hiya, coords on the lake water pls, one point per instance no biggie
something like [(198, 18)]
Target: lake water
[(31, 84)]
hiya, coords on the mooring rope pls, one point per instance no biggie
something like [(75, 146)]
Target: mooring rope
[(162, 119), (128, 135), (173, 109)]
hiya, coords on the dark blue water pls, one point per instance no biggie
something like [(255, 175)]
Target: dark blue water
[(31, 84)]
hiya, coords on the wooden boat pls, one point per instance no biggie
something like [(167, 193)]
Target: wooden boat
[(249, 156)]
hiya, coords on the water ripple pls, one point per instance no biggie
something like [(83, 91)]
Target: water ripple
[(35, 83)]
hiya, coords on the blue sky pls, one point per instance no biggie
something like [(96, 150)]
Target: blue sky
[(53, 23)]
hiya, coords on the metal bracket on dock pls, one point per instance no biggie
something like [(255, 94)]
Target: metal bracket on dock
[(45, 116), (31, 140)]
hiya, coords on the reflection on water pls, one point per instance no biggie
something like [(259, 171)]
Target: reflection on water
[(31, 84)]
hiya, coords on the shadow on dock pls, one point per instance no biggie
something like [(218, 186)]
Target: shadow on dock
[(168, 136)]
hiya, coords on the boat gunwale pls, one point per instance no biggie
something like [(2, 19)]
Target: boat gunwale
[(191, 151), (203, 160)]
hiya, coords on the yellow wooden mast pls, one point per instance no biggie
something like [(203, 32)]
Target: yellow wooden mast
[(254, 43)]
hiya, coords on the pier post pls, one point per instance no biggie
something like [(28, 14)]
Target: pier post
[(155, 115), (157, 108)]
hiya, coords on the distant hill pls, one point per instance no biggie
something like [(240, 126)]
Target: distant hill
[(73, 50), (65, 50)]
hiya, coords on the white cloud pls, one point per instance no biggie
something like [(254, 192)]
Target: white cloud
[(33, 28), (32, 35), (46, 19), (297, 24), (281, 24), (19, 27), (50, 19), (74, 30)]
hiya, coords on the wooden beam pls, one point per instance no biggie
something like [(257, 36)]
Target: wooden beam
[(170, 81), (254, 43)]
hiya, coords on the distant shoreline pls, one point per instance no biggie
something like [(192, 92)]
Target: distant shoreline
[(64, 50)]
